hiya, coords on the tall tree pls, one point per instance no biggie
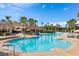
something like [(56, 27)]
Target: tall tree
[(78, 16), (58, 27), (9, 22), (31, 21), (48, 26), (23, 21), (78, 20), (3, 21), (51, 27), (42, 24), (72, 24), (45, 27)]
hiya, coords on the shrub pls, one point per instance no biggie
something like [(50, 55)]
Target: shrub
[(7, 33), (77, 36)]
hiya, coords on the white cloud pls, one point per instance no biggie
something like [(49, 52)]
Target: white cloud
[(15, 8), (43, 6), (2, 6), (18, 5), (65, 9), (62, 24), (8, 5), (22, 4)]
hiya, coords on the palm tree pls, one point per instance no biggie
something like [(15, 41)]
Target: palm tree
[(3, 21), (46, 27), (23, 21), (42, 24), (51, 27), (58, 27), (8, 22), (7, 17), (78, 15), (71, 24), (31, 21), (78, 20)]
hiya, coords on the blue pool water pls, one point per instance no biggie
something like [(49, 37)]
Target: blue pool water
[(43, 43)]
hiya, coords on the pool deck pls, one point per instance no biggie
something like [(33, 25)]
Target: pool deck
[(2, 42), (72, 51)]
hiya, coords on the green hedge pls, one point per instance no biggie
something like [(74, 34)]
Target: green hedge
[(77, 36)]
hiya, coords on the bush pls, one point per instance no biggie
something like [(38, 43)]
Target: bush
[(77, 36), (71, 36), (7, 33)]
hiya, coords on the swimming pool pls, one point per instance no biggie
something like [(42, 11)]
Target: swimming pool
[(43, 43)]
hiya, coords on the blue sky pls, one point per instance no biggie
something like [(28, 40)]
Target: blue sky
[(43, 12)]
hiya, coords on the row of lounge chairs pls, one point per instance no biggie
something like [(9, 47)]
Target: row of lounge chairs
[(73, 35)]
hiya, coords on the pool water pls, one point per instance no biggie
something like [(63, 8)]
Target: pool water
[(44, 43)]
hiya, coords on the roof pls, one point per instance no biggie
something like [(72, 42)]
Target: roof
[(30, 27), (33, 27), (2, 26)]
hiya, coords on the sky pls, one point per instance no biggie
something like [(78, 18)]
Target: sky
[(42, 12)]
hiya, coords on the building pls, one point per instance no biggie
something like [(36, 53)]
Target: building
[(33, 27), (4, 26), (17, 27)]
